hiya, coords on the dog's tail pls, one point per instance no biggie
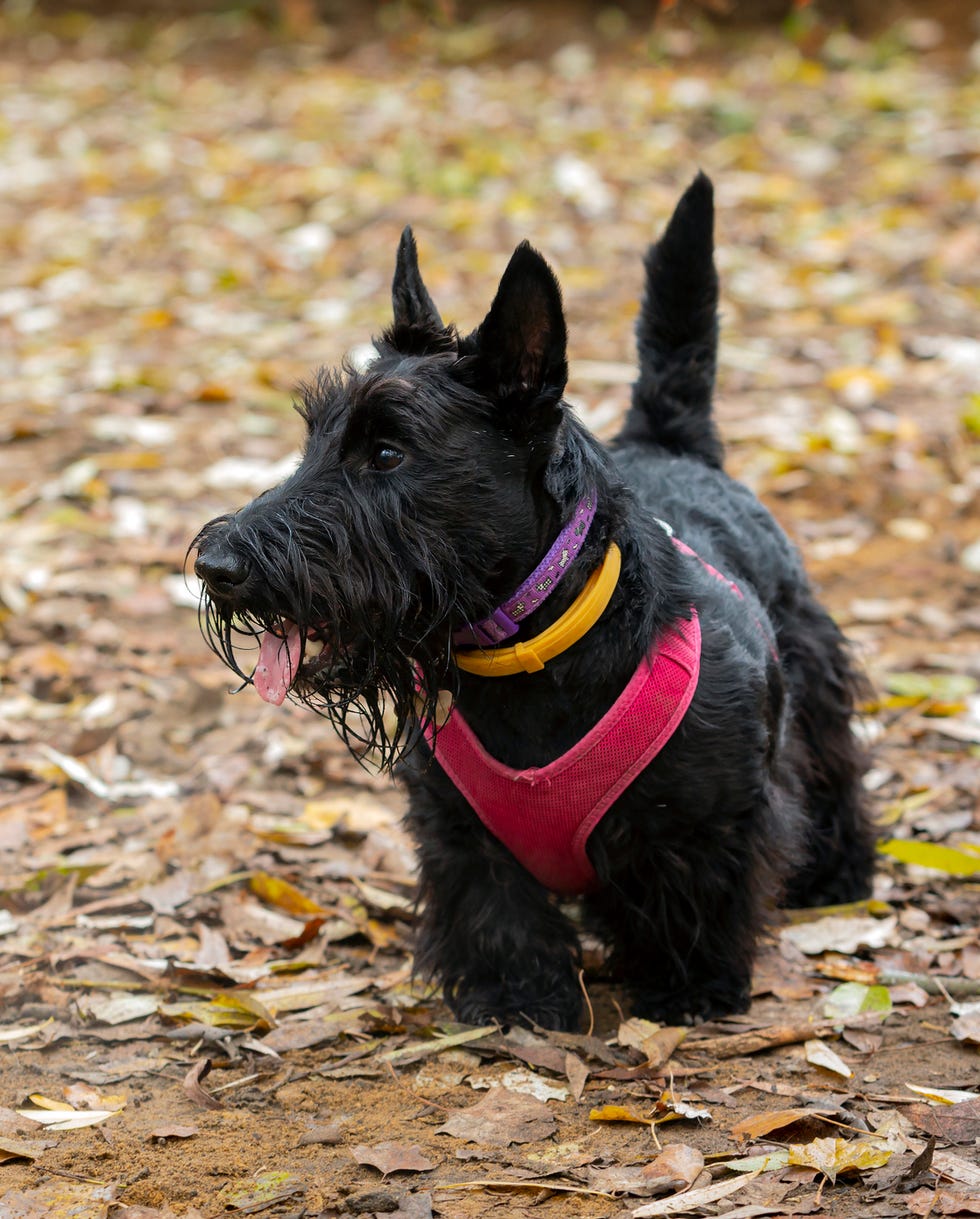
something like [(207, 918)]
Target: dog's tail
[(677, 335)]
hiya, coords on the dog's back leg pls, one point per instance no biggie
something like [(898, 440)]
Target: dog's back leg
[(822, 686)]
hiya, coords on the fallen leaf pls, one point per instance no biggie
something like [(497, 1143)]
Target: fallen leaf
[(670, 1107), (833, 1156), (281, 893), (577, 1073), (764, 1123), (392, 1157), (501, 1118), (653, 1041), (765, 1163), (23, 1149), (946, 1200), (264, 1190), (944, 1096), (60, 1199), (10, 1035), (677, 1162), (966, 1172), (931, 855), (966, 1026), (617, 1113), (855, 998), (58, 1119), (945, 687), (958, 1123), (521, 1080), (837, 934), (193, 1089), (693, 1199), (173, 1132), (819, 1054), (120, 1008), (329, 1135), (411, 1053)]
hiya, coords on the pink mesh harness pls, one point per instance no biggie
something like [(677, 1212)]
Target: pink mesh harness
[(544, 815)]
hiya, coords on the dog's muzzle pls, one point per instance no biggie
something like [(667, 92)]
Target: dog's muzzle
[(221, 568)]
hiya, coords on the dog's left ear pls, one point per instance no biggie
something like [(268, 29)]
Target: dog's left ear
[(520, 345), (417, 328)]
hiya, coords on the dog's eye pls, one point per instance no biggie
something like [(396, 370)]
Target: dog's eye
[(385, 457)]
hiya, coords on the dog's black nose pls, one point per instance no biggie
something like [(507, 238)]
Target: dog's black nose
[(221, 568)]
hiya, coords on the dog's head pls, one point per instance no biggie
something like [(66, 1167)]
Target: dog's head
[(430, 483)]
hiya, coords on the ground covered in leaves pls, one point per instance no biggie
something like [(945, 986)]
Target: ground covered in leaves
[(206, 1001)]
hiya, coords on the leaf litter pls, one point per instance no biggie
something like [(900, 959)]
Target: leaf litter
[(194, 888)]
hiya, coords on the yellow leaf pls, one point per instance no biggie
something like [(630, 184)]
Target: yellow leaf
[(831, 1156), (240, 1001), (213, 393), (763, 1163), (281, 893), (45, 1102), (897, 308), (847, 380), (222, 1017), (944, 1096), (155, 319), (931, 855), (616, 1113), (129, 459), (381, 935), (971, 415)]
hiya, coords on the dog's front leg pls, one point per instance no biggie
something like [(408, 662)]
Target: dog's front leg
[(489, 933)]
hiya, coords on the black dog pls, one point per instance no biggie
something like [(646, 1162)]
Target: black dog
[(659, 720)]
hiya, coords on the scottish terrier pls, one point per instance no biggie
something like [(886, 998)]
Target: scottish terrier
[(601, 672)]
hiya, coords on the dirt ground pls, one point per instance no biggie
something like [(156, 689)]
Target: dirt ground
[(205, 904)]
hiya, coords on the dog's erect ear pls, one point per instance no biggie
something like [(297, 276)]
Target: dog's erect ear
[(417, 328), (410, 299), (520, 344)]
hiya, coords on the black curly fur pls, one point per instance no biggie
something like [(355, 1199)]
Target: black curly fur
[(758, 793)]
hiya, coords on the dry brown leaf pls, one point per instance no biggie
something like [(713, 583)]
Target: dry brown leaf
[(392, 1157), (329, 1135), (577, 1073), (778, 1119), (946, 1200), (954, 1123), (193, 1089), (501, 1118), (677, 1162)]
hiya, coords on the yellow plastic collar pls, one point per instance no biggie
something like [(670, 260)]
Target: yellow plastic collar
[(532, 655)]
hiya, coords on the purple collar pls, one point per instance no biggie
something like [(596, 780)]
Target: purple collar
[(540, 584)]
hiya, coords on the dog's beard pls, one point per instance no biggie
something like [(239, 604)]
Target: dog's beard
[(374, 669)]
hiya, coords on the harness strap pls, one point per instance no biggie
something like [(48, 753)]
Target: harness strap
[(544, 815)]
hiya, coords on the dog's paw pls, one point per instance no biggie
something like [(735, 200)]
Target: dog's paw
[(691, 1006), (504, 1007), (838, 890)]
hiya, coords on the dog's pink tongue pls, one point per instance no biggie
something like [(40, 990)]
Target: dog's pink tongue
[(278, 662)]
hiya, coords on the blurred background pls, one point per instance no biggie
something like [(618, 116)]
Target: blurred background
[(199, 205)]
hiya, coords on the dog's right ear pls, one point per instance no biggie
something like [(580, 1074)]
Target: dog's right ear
[(417, 328)]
